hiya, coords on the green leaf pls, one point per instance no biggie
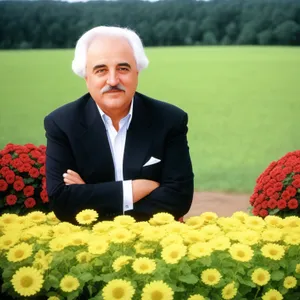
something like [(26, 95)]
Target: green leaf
[(274, 211), (8, 273), (6, 286), (190, 278), (85, 277), (277, 275), (107, 277)]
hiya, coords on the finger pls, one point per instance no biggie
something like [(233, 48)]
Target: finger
[(73, 173), (68, 181), (65, 175)]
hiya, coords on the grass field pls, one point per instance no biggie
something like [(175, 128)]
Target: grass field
[(243, 103)]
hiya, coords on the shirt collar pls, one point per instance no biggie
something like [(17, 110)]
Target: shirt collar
[(128, 117)]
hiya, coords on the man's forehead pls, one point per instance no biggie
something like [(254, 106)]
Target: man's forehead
[(109, 43)]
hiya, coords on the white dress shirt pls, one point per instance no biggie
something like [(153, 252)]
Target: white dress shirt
[(117, 141)]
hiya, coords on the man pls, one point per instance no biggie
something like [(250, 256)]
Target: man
[(115, 150)]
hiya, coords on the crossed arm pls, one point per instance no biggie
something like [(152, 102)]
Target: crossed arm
[(140, 187)]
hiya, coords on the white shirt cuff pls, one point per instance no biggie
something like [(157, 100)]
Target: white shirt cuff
[(127, 195)]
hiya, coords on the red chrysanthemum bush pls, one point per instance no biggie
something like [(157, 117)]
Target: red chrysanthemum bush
[(22, 179), (277, 190)]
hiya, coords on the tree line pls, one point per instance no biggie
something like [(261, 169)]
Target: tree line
[(54, 24)]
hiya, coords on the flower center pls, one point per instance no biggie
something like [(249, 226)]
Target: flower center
[(273, 252), (156, 295), (241, 253), (261, 277), (174, 254), (26, 281), (211, 278), (19, 253), (118, 293)]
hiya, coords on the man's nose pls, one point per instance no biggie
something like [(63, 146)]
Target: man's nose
[(112, 79)]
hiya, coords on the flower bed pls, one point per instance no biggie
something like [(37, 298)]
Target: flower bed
[(241, 257), (22, 179), (277, 190)]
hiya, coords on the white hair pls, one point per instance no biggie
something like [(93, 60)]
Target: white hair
[(79, 61)]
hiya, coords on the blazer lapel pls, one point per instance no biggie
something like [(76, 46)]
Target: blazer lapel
[(138, 140), (96, 144)]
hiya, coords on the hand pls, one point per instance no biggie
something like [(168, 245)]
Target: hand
[(71, 177), (142, 187)]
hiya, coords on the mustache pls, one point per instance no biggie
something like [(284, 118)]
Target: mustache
[(107, 88)]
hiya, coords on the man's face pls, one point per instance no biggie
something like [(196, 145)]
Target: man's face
[(111, 74)]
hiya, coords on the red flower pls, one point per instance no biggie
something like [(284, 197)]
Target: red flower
[(30, 202), (291, 190), (24, 158), (280, 177), (35, 153), (11, 199), (18, 185), (28, 191), (293, 204), (34, 173), (264, 204), (272, 204), (278, 186), (263, 213), (3, 185), (10, 177), (4, 170), (16, 163), (43, 170), (41, 159), (44, 196), (285, 196), (6, 159), (296, 183), (270, 191), (281, 204)]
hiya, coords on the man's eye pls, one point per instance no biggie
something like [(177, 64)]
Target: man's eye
[(123, 69), (99, 71)]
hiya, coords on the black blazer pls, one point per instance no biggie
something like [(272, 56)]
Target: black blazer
[(77, 140)]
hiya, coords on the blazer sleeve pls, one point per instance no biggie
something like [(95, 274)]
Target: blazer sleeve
[(175, 193), (67, 200)]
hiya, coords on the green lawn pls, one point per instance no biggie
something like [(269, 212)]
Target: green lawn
[(243, 103)]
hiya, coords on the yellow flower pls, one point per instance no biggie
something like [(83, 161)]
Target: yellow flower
[(143, 249), (6, 219), (272, 295), (41, 265), (255, 223), (161, 219), (291, 222), (78, 238), (61, 229), (157, 290), (173, 253), (210, 231), (121, 235), (7, 241), (176, 227), (138, 227), (69, 283), (86, 216), (98, 247), (118, 289), (241, 252), (240, 215), (19, 252), (260, 276), (37, 217), (210, 276), (171, 239), (153, 234), (229, 291), (198, 250), (220, 243), (83, 257), (292, 239), (144, 265), (273, 221), (120, 262), (249, 237), (195, 222), (271, 235), (229, 224), (196, 297), (209, 217), (53, 298), (289, 282), (52, 219), (297, 270), (124, 220), (57, 244), (27, 281), (193, 236), (103, 227), (273, 251)]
